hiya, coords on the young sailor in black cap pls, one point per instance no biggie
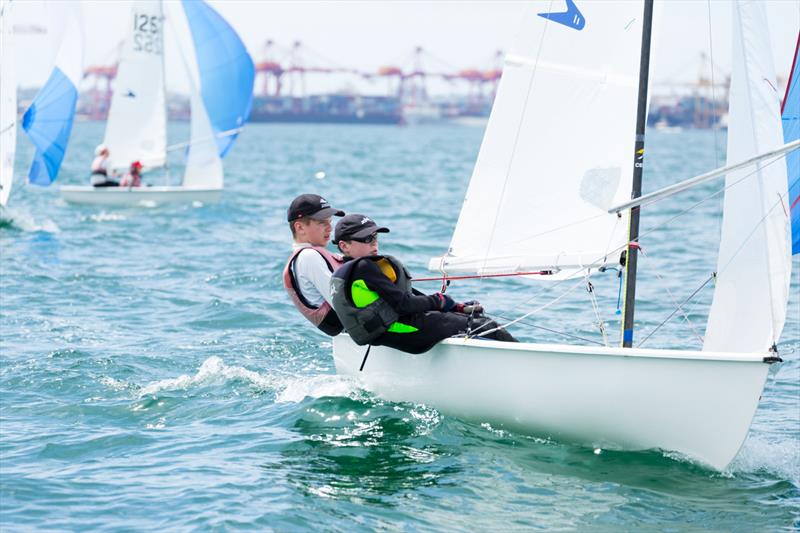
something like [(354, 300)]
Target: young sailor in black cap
[(374, 300), (307, 274)]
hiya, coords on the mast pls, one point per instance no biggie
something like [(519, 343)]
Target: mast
[(632, 249)]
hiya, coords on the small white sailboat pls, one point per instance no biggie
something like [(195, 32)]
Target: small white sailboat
[(8, 102), (220, 73), (563, 149)]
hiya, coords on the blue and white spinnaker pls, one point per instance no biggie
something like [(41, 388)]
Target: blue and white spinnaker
[(790, 117), (48, 121), (226, 72)]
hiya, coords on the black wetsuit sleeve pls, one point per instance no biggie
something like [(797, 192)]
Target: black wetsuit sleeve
[(402, 302)]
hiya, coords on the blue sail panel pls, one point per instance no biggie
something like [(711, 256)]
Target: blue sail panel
[(48, 123), (226, 71), (790, 116)]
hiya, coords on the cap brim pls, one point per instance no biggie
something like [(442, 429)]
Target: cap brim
[(366, 232), (328, 212)]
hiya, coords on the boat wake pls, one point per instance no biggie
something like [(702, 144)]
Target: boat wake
[(21, 219), (778, 457), (105, 217), (214, 371)]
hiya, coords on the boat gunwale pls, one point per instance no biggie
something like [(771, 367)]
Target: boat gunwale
[(125, 190), (645, 353)]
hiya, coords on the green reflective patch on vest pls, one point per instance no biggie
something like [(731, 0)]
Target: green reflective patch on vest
[(399, 327), (362, 296)]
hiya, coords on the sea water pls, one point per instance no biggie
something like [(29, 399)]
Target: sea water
[(155, 375)]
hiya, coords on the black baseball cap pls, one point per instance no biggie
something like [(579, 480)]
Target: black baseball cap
[(356, 227), (311, 206)]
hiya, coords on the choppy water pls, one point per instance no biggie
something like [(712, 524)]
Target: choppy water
[(155, 376)]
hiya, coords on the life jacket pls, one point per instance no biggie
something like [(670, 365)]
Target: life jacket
[(363, 313), (322, 316)]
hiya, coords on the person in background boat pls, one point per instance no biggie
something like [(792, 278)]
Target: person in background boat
[(307, 274), (134, 176), (373, 297), (100, 172)]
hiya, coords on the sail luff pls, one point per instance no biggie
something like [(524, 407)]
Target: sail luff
[(632, 251), (748, 310)]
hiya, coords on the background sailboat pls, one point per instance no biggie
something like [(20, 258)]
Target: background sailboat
[(220, 73), (556, 158)]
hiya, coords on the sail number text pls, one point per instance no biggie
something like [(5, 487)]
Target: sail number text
[(147, 33)]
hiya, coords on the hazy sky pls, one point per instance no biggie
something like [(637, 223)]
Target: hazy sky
[(368, 34)]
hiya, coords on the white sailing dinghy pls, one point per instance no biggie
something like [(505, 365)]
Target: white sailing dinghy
[(555, 162), (8, 102), (220, 73)]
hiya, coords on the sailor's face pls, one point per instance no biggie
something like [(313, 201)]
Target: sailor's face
[(356, 249), (318, 232)]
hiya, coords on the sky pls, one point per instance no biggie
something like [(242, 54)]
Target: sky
[(366, 35)]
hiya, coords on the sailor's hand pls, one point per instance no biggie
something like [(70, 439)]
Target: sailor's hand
[(473, 307), (445, 302)]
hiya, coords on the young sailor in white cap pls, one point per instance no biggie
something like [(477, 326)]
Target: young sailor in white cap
[(100, 172)]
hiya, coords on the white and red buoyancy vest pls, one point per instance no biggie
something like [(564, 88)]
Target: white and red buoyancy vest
[(324, 317)]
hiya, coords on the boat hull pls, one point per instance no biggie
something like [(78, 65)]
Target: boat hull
[(135, 196), (696, 403)]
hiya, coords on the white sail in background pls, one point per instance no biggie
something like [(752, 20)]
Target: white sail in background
[(557, 151), (754, 266), (8, 102), (137, 118)]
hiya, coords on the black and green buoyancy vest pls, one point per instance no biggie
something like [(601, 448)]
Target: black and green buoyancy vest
[(363, 313)]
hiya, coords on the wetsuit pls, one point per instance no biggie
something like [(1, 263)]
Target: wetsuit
[(419, 323)]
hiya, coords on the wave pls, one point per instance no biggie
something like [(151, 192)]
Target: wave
[(777, 456), (215, 371)]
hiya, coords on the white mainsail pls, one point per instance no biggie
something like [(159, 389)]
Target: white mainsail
[(137, 119), (754, 265), (557, 151), (8, 102)]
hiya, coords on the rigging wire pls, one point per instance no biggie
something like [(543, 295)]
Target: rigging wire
[(557, 332), (679, 308)]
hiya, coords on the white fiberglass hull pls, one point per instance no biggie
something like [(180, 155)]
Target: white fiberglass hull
[(124, 196), (699, 404)]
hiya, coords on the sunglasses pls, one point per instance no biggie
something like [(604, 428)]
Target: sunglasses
[(366, 240)]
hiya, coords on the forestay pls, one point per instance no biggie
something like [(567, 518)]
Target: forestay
[(8, 102), (557, 151), (754, 265), (137, 118)]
